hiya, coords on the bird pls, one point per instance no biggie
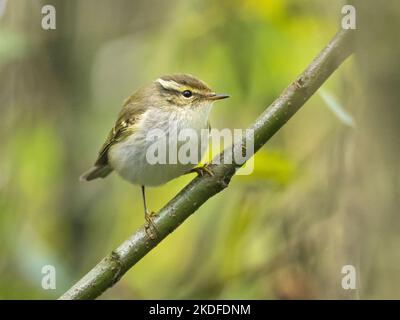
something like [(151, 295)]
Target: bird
[(168, 105)]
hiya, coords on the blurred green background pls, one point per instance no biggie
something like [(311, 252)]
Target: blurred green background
[(325, 190)]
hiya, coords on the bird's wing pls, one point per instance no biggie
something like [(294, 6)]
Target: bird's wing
[(124, 126)]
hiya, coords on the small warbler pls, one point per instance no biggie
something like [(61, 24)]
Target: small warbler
[(178, 100)]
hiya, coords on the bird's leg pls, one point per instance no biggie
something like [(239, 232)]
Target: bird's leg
[(202, 170), (148, 216)]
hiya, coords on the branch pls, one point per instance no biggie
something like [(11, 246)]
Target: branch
[(109, 270)]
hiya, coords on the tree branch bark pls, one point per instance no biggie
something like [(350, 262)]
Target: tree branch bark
[(111, 268)]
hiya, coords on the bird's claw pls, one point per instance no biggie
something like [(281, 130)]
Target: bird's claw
[(150, 227), (202, 170)]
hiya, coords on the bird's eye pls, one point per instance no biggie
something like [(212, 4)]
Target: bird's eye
[(187, 93)]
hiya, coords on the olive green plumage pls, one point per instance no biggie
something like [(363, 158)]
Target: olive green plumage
[(167, 91)]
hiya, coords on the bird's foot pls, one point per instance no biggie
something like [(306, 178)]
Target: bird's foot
[(202, 170), (150, 227)]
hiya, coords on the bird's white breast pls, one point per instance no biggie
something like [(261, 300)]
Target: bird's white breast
[(128, 158)]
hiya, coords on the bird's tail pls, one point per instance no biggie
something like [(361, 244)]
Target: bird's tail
[(96, 172)]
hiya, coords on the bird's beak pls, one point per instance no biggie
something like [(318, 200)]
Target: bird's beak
[(216, 96)]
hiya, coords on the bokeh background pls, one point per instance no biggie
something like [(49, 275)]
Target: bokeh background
[(325, 190)]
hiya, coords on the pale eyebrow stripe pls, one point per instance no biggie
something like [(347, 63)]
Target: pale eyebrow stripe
[(169, 84)]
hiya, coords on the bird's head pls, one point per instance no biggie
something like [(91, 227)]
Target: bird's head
[(185, 91)]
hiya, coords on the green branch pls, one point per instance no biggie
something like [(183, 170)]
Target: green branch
[(109, 270)]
